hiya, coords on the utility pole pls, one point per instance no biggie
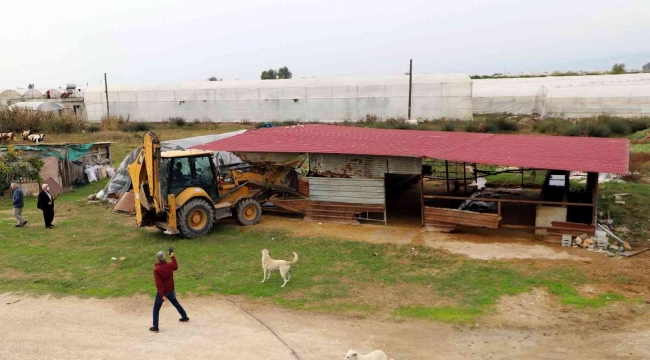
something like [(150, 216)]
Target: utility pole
[(410, 86), (108, 109)]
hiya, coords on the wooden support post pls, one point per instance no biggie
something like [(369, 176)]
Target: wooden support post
[(422, 197), (108, 109), (465, 177), (447, 174)]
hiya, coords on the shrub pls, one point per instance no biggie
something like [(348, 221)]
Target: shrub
[(136, 127), (639, 163), (471, 126), (13, 167), (65, 124), (639, 124), (502, 125), (448, 126), (93, 128), (177, 121), (112, 123)]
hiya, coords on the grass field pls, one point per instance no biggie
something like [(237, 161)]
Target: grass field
[(332, 275), (75, 259)]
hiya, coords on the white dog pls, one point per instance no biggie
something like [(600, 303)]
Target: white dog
[(284, 266), (375, 355)]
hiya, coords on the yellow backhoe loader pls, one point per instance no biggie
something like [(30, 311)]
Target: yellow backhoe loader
[(181, 192)]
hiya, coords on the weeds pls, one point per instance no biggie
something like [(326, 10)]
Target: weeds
[(177, 121), (21, 119)]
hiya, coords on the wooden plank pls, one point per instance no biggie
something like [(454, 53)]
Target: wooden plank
[(635, 252), (507, 200), (571, 225), (365, 189), (465, 220), (458, 213), (345, 181), (345, 199)]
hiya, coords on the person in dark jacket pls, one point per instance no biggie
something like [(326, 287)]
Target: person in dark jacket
[(163, 275), (45, 202), (19, 204)]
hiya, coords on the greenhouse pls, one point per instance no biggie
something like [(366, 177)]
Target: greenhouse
[(38, 105), (318, 99), (624, 95), (585, 101)]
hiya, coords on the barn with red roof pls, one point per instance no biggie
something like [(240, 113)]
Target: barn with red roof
[(441, 180)]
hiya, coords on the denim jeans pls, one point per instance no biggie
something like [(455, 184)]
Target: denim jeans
[(171, 296)]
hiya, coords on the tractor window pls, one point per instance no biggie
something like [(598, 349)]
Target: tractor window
[(164, 178), (181, 175), (205, 176)]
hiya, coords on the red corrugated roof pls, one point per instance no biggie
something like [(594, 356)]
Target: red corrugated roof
[(540, 152)]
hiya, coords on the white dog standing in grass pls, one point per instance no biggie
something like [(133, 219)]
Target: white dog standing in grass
[(375, 355), (283, 266)]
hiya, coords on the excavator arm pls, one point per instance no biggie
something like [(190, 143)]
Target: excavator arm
[(144, 173)]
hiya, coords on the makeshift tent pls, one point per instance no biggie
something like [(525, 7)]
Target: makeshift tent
[(121, 182), (64, 163)]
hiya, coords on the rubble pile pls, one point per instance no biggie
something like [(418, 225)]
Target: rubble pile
[(604, 240)]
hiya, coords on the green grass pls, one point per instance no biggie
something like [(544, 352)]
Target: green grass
[(640, 148), (75, 259)]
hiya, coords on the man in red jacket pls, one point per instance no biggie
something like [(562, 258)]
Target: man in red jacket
[(163, 274)]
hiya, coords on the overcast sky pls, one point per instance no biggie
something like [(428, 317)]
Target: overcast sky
[(50, 43)]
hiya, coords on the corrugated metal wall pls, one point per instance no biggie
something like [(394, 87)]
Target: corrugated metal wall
[(352, 191), (364, 166)]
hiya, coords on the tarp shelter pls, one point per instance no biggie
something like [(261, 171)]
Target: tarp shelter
[(64, 163), (121, 182)]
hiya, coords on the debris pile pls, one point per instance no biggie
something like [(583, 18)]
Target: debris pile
[(604, 240)]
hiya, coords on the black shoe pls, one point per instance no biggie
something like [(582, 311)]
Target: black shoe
[(185, 319), (24, 223), (153, 329), (18, 225)]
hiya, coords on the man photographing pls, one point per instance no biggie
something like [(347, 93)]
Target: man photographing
[(163, 274)]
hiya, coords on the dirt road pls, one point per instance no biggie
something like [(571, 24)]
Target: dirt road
[(72, 328)]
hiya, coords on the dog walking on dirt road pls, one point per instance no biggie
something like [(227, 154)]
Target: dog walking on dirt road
[(163, 274)]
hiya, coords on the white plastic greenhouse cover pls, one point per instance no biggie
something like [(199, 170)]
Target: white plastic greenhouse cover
[(32, 94), (318, 99), (585, 101), (37, 105), (12, 94), (528, 95)]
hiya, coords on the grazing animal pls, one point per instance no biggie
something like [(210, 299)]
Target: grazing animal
[(8, 137), (26, 134), (283, 266), (36, 138), (375, 355)]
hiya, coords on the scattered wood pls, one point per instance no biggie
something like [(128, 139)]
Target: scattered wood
[(635, 252)]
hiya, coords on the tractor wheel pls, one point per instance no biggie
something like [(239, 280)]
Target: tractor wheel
[(195, 218), (248, 212)]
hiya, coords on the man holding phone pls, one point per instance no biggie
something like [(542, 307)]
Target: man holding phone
[(163, 274)]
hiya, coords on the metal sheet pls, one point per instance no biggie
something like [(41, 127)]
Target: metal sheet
[(366, 166), (352, 191)]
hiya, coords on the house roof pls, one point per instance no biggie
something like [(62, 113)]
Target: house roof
[(531, 151)]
